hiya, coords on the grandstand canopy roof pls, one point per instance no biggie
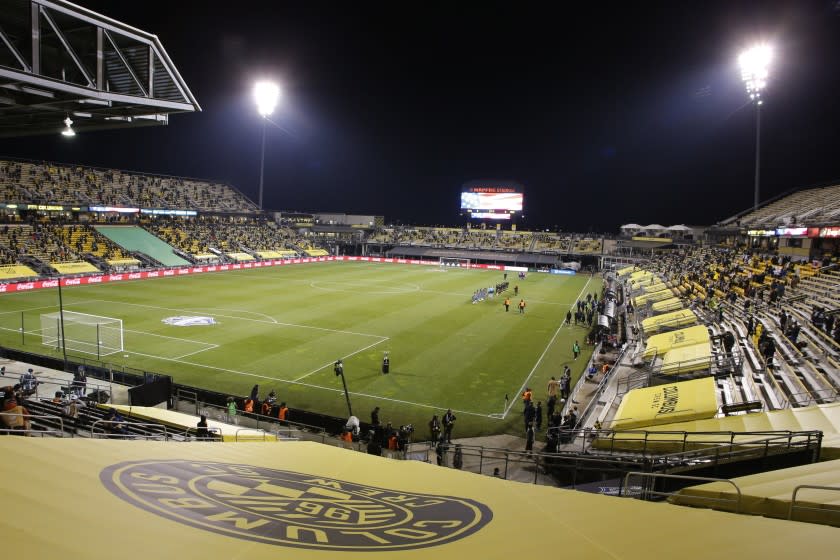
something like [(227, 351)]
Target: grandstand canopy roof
[(631, 226), (60, 60), (86, 498)]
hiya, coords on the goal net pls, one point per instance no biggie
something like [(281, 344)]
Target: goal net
[(449, 262), (89, 334)]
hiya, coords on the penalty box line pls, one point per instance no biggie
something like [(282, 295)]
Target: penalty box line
[(331, 389), (540, 359)]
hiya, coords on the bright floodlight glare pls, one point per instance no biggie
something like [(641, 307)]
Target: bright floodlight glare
[(69, 130), (266, 95), (755, 64)]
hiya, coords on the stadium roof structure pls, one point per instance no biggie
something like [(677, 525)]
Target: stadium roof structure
[(59, 60)]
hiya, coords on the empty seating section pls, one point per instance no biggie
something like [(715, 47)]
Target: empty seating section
[(50, 183), (550, 243), (62, 247), (241, 238), (819, 205), (488, 240), (588, 246)]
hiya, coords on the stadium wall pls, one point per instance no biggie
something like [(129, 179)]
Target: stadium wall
[(162, 273)]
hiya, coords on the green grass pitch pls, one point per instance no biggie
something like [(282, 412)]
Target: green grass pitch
[(284, 327)]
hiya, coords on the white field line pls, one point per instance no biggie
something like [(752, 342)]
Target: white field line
[(211, 347), (316, 370), (240, 318), (515, 399), (171, 337), (332, 389), (41, 307), (270, 318)]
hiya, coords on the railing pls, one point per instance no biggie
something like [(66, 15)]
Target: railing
[(796, 490), (282, 429), (32, 431), (707, 442), (819, 396), (648, 491), (98, 424)]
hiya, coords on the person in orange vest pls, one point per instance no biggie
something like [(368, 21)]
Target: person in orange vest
[(347, 436), (507, 304), (526, 396), (283, 413), (521, 306), (393, 442), (249, 405), (265, 410)]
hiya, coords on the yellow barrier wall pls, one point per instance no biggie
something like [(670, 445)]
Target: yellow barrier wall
[(670, 304), (100, 499), (664, 342), (74, 267), (675, 319), (687, 359), (16, 271), (663, 404)]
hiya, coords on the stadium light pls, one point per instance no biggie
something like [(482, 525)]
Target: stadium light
[(266, 96), (68, 130), (755, 71)]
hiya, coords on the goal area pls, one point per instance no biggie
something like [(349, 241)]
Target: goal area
[(88, 334), (450, 262)]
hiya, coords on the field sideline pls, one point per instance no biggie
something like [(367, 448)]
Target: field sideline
[(284, 327)]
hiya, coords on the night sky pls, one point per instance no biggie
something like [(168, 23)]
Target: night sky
[(607, 112)]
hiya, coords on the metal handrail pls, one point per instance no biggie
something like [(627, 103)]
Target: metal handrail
[(813, 487), (33, 417), (216, 432), (97, 423), (647, 491), (257, 432)]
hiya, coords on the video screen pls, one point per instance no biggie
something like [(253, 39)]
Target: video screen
[(484, 201)]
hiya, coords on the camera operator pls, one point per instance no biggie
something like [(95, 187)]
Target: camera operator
[(28, 383), (404, 437)]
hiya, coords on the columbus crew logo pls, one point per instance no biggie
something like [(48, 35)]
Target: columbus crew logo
[(293, 509)]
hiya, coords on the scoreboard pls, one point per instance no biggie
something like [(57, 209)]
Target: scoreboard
[(492, 200)]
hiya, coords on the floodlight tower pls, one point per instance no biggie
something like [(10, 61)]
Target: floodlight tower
[(755, 70), (266, 95)]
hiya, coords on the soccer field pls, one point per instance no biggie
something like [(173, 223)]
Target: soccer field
[(284, 327)]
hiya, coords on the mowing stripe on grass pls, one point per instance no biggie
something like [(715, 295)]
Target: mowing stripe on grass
[(316, 370), (274, 322), (547, 346)]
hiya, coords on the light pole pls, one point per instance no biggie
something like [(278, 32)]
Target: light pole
[(266, 95), (755, 64)]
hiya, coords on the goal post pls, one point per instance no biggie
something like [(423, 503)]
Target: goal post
[(451, 262), (89, 334)]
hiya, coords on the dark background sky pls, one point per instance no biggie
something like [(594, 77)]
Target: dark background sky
[(607, 112)]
